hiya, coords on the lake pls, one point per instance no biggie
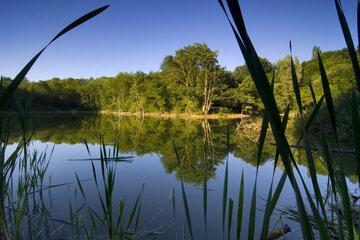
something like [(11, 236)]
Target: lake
[(204, 147)]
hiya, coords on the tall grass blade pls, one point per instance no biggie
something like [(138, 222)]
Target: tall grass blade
[(284, 123), (312, 93), (314, 113), (270, 205), (345, 200), (312, 169), (4, 98), (231, 205), (225, 192), (264, 128), (295, 81), (251, 228), (349, 41), (327, 94), (187, 211), (205, 189), (80, 185), (320, 225), (356, 132), (185, 201), (240, 207), (263, 87), (329, 162), (172, 197), (358, 22)]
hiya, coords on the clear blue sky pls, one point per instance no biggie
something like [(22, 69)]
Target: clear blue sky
[(136, 35)]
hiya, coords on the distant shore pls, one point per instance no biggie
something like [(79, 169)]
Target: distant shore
[(179, 115), (149, 114)]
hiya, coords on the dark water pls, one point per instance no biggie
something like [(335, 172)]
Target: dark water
[(203, 150)]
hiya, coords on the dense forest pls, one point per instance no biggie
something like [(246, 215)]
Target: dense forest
[(190, 81)]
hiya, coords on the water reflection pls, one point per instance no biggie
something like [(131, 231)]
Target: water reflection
[(202, 144)]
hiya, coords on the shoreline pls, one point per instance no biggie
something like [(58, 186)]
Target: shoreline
[(148, 114), (179, 115)]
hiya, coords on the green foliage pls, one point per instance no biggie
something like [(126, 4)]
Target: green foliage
[(191, 81)]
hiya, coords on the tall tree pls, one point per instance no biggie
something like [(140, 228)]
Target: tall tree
[(194, 76)]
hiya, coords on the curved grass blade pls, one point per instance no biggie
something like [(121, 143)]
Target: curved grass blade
[(356, 132), (284, 123), (312, 93), (4, 98), (313, 175), (270, 205), (314, 113), (295, 81), (80, 185), (264, 128), (349, 40), (263, 87), (327, 94)]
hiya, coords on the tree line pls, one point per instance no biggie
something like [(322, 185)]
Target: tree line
[(189, 81)]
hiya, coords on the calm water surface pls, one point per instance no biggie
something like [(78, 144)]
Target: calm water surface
[(202, 147)]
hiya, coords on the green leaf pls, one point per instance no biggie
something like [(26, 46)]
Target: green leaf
[(345, 200), (329, 162), (231, 205), (240, 207), (264, 128), (349, 40), (225, 192), (4, 98), (251, 229), (80, 185), (327, 94), (295, 81), (264, 89), (356, 132), (312, 170), (185, 201), (270, 205), (312, 93)]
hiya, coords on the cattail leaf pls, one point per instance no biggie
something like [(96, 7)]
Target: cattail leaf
[(327, 94), (251, 228), (4, 98), (270, 205), (185, 201), (231, 206), (312, 93), (345, 200), (240, 207), (295, 81), (312, 170), (225, 192), (356, 132), (349, 40), (264, 89), (264, 128)]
